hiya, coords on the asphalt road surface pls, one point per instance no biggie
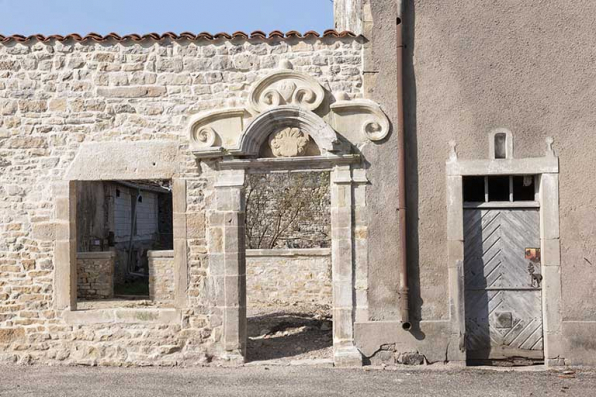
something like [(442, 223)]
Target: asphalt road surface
[(278, 381)]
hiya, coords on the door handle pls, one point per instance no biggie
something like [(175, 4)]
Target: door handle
[(535, 278)]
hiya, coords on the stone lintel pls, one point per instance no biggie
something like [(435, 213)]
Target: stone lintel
[(290, 163), (527, 166), (124, 160)]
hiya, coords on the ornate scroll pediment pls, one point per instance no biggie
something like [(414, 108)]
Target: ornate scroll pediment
[(280, 114), (360, 118), (286, 87), (211, 132)]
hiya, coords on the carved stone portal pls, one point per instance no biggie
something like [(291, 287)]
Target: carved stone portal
[(289, 142)]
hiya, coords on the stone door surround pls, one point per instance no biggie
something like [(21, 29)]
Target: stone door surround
[(227, 254), (285, 111), (547, 169)]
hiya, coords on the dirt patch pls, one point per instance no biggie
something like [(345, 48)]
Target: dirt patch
[(289, 333)]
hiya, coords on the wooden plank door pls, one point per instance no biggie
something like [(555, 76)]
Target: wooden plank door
[(503, 297)]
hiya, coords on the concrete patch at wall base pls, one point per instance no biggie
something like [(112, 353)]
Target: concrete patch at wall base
[(431, 339)]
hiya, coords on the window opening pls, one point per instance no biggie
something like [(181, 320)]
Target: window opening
[(498, 188), (524, 188), (515, 188), (473, 187), (121, 226)]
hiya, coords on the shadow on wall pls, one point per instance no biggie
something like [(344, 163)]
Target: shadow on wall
[(411, 148)]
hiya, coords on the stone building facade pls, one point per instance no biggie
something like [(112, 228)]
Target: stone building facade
[(91, 109), (206, 111)]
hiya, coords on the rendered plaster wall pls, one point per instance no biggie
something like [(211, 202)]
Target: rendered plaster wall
[(56, 96), (471, 67), (161, 276), (288, 276), (95, 275)]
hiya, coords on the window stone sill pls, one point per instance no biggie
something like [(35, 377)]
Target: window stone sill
[(123, 316)]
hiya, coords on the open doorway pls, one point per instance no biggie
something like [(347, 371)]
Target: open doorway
[(124, 243), (288, 266)]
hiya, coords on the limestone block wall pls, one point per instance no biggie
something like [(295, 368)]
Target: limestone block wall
[(161, 276), (54, 97), (95, 275), (288, 276)]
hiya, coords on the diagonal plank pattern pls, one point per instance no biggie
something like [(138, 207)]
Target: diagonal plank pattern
[(503, 308)]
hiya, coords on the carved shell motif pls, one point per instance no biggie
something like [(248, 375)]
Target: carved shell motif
[(289, 142)]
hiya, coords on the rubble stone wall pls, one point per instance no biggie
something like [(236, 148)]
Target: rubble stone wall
[(55, 96), (161, 276), (288, 276), (95, 275), (301, 200)]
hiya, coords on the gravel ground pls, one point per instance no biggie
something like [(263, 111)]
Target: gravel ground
[(279, 381), (289, 333)]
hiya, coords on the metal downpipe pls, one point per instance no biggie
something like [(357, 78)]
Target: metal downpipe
[(401, 153)]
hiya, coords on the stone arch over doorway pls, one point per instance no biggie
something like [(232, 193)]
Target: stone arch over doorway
[(283, 117)]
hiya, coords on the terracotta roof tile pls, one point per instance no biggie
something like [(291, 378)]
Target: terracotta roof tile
[(94, 37)]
